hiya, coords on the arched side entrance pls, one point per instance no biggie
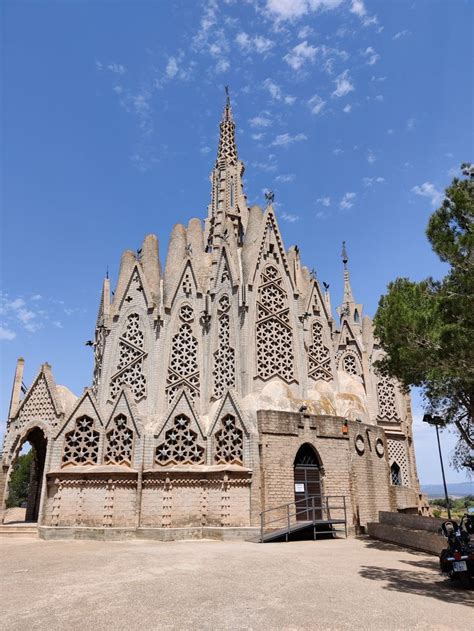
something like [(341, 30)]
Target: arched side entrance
[(38, 441), (307, 478)]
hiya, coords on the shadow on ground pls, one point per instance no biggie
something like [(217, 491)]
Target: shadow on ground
[(421, 577)]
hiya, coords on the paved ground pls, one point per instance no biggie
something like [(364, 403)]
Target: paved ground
[(332, 584)]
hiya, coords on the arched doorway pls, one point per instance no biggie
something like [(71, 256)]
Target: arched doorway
[(307, 476), (32, 494)]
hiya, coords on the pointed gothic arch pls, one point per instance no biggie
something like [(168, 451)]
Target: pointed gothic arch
[(37, 437)]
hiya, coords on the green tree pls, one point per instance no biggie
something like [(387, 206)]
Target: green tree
[(427, 328), (20, 480)]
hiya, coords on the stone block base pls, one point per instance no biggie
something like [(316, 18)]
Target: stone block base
[(156, 534)]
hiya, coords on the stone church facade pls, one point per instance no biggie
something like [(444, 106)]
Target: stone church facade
[(213, 378)]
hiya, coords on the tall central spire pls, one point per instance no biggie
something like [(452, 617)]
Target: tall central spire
[(349, 308), (227, 194)]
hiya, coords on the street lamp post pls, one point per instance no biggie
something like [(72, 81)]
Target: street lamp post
[(436, 421)]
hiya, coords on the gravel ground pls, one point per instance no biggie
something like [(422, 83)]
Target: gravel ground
[(328, 584)]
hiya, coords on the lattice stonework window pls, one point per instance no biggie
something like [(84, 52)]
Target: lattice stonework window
[(180, 445), (350, 364), (224, 358), (119, 443), (81, 445), (319, 358), (386, 399), (183, 371), (130, 363), (397, 455), (274, 334), (229, 442)]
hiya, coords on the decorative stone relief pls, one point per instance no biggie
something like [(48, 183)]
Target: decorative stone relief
[(81, 445), (119, 442), (229, 442), (274, 333), (183, 371), (224, 358), (180, 445), (130, 363), (319, 358)]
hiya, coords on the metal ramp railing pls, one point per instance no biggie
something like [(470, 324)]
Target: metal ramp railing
[(318, 511)]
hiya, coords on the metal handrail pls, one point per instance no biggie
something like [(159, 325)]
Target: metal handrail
[(324, 507)]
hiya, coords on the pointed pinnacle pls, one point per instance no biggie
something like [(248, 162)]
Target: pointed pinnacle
[(344, 256)]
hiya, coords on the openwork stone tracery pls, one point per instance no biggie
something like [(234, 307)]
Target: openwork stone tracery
[(319, 358), (180, 445), (183, 370), (224, 358), (81, 445), (130, 363), (386, 399), (274, 333), (229, 442), (119, 442)]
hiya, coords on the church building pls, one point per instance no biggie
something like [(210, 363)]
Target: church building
[(224, 393)]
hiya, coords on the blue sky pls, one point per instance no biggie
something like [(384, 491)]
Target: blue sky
[(357, 114)]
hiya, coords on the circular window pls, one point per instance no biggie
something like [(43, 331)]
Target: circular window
[(379, 448), (360, 444)]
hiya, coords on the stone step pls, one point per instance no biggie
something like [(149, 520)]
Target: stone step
[(18, 530)]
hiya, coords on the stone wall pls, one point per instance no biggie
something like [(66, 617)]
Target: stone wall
[(351, 465)]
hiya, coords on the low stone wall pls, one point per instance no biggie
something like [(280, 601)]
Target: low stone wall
[(155, 534), (409, 531)]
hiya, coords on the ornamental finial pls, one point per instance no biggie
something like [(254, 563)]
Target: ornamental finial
[(344, 256)]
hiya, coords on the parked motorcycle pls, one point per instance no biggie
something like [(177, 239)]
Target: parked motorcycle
[(457, 560)]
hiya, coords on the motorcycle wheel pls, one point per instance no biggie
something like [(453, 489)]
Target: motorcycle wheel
[(465, 580)]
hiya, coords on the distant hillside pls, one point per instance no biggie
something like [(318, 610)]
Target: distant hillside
[(458, 489)]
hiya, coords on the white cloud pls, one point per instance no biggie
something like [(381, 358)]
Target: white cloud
[(427, 189), (205, 150), (172, 67), (7, 334), (118, 89), (321, 215), (36, 297), (343, 85), (347, 109), (371, 157), (257, 43), (262, 44), (316, 104), (260, 121), (288, 177), (338, 151), (305, 32), (401, 34), (289, 217), (300, 54), (112, 67), (390, 132), (358, 8), (222, 66), (411, 124), (347, 201), (284, 140), (294, 9), (378, 98), (370, 181), (276, 92), (371, 56), (258, 136), (324, 201)]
